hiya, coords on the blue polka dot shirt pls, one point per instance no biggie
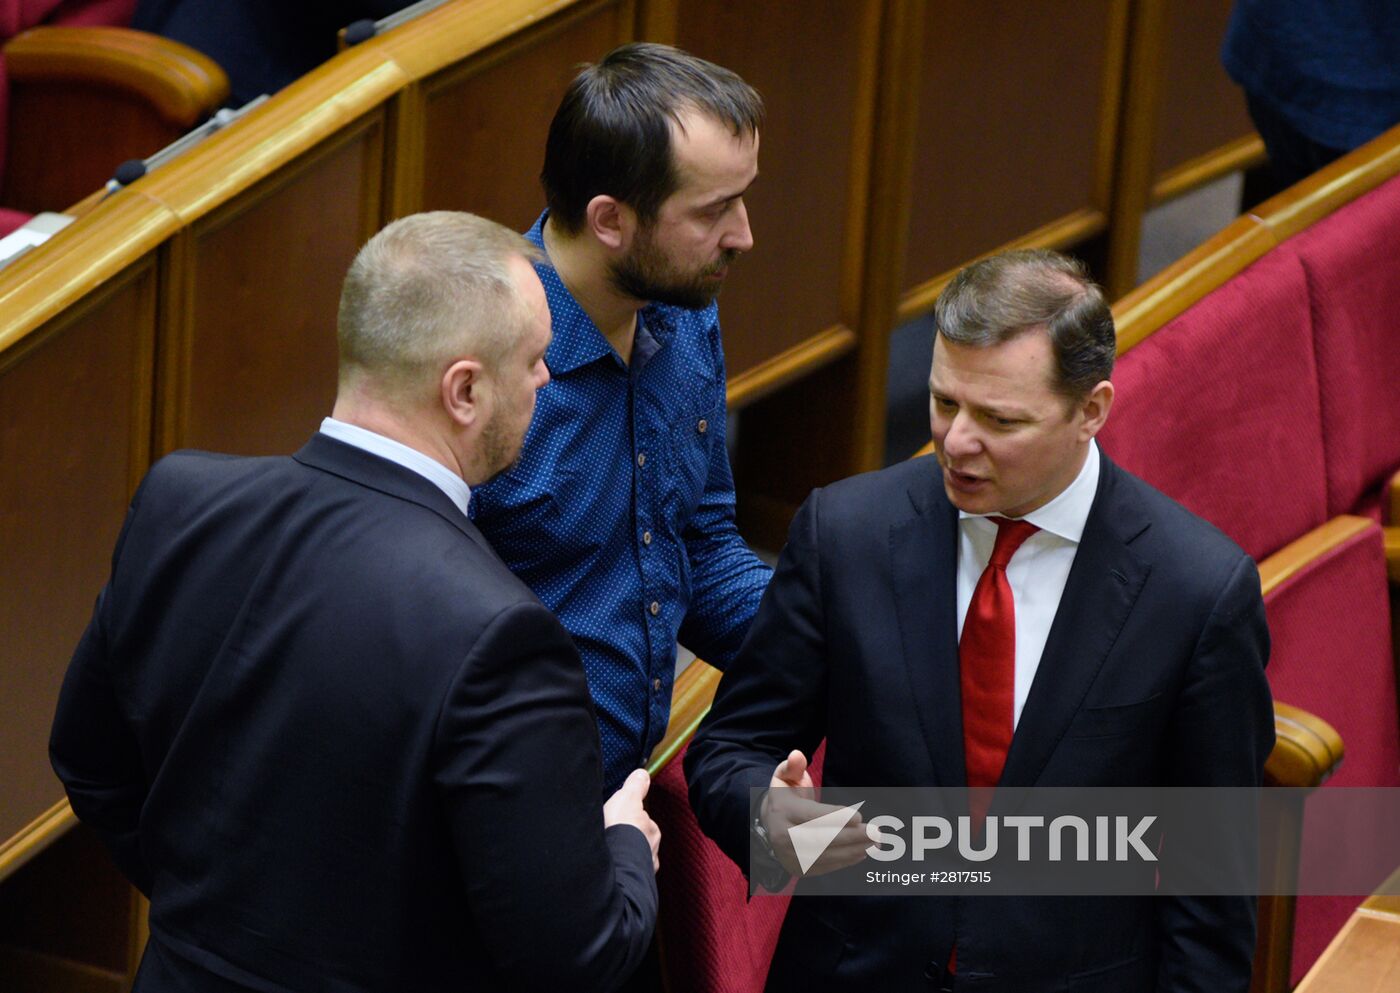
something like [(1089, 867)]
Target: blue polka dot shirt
[(620, 512)]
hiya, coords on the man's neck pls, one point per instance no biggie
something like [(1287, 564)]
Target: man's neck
[(355, 407), (584, 273)]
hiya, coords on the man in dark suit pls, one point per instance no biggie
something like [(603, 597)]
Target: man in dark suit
[(315, 718), (1014, 611)]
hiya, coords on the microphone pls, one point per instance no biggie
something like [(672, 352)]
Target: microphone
[(360, 31)]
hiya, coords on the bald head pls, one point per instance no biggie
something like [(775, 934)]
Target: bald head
[(426, 290)]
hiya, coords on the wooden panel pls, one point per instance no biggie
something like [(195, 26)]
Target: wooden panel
[(1201, 110), (250, 362), (67, 919), (815, 64), (485, 121), (75, 426), (1013, 135)]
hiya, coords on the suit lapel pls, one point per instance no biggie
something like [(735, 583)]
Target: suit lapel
[(1102, 588), (923, 550)]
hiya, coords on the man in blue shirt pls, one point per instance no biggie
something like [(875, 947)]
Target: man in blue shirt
[(620, 512), (1321, 77)]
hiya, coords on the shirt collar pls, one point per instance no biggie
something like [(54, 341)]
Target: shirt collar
[(577, 340), (1066, 515), (411, 459)]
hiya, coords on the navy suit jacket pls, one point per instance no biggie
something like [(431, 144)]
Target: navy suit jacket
[(339, 745), (1153, 674)]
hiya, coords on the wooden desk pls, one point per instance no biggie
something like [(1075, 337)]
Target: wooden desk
[(1364, 957)]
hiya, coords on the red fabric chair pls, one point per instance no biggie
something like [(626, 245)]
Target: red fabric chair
[(1329, 620), (21, 15), (1219, 409), (713, 939), (80, 94), (1352, 262)]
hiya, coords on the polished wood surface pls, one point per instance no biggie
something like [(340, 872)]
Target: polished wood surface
[(1183, 121), (1364, 957), (180, 83), (1200, 111), (484, 120), (1012, 135), (1189, 279), (75, 422), (249, 352), (814, 63), (691, 697)]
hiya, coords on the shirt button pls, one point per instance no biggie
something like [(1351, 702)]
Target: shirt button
[(655, 608), (646, 537), (702, 426), (656, 685), (641, 458)]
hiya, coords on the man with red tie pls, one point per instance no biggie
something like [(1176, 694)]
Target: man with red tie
[(1014, 611)]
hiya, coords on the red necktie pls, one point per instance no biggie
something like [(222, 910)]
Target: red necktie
[(987, 660)]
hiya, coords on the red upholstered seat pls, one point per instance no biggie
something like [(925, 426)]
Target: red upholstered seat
[(21, 15), (713, 939), (1330, 626), (1219, 408), (1352, 263)]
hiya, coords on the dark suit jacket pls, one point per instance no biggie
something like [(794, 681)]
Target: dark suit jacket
[(339, 745), (1152, 675)]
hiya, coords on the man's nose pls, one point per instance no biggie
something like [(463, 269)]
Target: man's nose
[(961, 438), (739, 237)]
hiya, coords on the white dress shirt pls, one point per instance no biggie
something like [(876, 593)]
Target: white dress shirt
[(1037, 572), (411, 459)]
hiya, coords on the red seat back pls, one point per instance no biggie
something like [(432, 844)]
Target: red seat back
[(1352, 262), (1330, 626), (713, 939), (1218, 409)]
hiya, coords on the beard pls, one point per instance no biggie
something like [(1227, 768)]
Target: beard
[(501, 444), (646, 273)]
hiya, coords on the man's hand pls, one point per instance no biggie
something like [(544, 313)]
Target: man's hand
[(783, 807), (625, 807)]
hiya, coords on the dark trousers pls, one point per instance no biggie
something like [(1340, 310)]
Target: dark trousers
[(1292, 154)]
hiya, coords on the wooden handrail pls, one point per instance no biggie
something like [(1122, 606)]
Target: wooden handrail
[(1179, 286), (182, 84), (690, 702)]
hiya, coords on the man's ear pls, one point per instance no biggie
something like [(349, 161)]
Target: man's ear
[(462, 389), (1095, 408), (610, 221)]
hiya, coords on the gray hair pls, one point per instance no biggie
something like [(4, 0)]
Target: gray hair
[(427, 289), (1005, 295)]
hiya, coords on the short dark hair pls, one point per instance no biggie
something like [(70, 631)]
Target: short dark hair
[(612, 132), (1001, 297)]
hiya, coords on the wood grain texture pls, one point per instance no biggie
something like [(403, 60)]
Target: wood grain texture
[(485, 119), (180, 84), (814, 63), (1011, 132), (249, 362), (1200, 112), (74, 436)]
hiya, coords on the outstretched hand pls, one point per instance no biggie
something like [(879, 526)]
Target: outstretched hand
[(789, 803)]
